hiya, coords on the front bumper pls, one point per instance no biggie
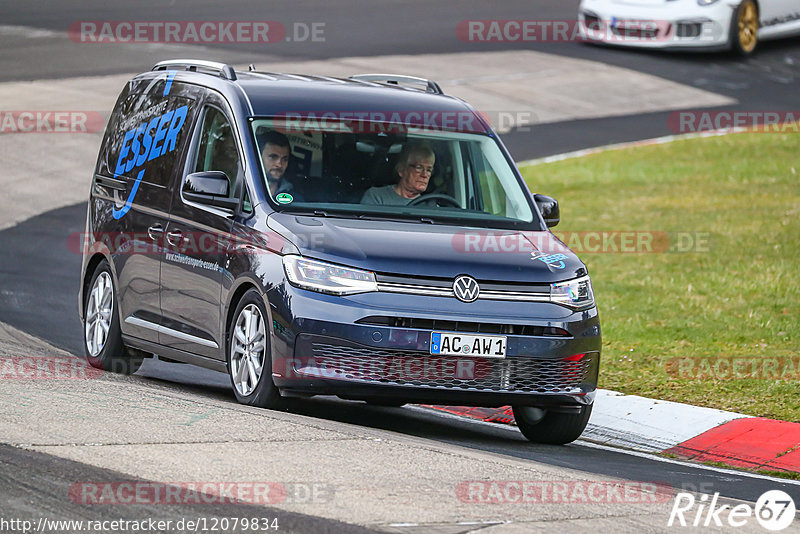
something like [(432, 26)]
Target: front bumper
[(337, 346), (656, 26)]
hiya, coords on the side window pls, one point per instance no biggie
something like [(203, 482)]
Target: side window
[(216, 149), (145, 134)]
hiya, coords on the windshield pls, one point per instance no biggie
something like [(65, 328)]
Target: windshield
[(338, 170)]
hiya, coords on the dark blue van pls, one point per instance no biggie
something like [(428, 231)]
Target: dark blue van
[(367, 237)]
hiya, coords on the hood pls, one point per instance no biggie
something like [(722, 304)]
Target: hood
[(430, 250), (643, 2)]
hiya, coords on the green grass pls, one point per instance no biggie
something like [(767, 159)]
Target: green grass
[(739, 299)]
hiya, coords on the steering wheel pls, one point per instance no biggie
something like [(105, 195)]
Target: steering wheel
[(435, 196)]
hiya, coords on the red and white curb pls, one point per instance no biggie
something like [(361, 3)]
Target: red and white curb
[(649, 425), (691, 432), (656, 426)]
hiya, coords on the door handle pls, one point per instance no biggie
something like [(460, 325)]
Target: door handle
[(155, 232), (175, 237)]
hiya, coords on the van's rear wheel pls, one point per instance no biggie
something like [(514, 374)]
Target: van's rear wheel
[(549, 426), (102, 336), (248, 354)]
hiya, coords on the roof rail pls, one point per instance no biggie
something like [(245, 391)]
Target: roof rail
[(397, 79), (224, 71)]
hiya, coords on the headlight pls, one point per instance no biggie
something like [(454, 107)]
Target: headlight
[(706, 2), (326, 277), (576, 294)]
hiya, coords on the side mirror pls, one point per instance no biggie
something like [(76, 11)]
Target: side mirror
[(210, 188), (548, 206)]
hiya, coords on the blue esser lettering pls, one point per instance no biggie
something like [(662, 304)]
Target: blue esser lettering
[(177, 123), (150, 139), (147, 141), (161, 132), (123, 152), (135, 146)]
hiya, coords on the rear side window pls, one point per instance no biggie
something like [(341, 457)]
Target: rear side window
[(149, 128)]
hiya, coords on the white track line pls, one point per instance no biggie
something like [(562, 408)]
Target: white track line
[(631, 144)]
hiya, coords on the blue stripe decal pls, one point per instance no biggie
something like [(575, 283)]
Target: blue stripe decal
[(119, 213), (168, 86)]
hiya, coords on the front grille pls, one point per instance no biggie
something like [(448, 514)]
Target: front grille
[(443, 287), (689, 30), (592, 21), (416, 368), (637, 33), (464, 326)]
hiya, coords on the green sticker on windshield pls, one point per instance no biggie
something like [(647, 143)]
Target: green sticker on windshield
[(284, 198)]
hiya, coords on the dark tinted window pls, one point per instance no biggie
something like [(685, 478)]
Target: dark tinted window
[(216, 149), (149, 129)]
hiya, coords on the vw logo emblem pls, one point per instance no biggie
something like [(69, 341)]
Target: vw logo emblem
[(466, 288)]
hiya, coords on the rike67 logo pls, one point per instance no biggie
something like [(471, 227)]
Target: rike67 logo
[(774, 510)]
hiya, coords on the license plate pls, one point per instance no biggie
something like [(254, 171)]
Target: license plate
[(628, 24), (455, 344)]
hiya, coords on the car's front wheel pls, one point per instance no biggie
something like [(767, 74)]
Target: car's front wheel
[(744, 28), (102, 336), (249, 355), (551, 426)]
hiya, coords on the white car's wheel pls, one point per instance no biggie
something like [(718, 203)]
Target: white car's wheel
[(744, 28)]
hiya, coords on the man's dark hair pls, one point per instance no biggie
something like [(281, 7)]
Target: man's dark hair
[(272, 137)]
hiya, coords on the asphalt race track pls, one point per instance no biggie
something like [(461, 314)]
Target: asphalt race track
[(39, 272), (362, 28)]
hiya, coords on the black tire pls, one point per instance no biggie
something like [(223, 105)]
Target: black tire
[(551, 427), (102, 336), (743, 34), (260, 391)]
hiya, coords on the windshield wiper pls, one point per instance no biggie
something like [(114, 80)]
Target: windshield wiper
[(398, 217), (310, 212)]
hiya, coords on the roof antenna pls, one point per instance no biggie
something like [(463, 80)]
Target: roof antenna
[(251, 67)]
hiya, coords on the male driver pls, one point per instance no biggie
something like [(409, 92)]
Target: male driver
[(275, 155), (414, 167)]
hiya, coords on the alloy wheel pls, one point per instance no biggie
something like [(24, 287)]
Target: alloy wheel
[(99, 314), (748, 27), (248, 349)]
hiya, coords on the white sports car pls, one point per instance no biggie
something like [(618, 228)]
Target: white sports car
[(688, 24)]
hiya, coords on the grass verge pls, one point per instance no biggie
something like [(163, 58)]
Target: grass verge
[(671, 320)]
